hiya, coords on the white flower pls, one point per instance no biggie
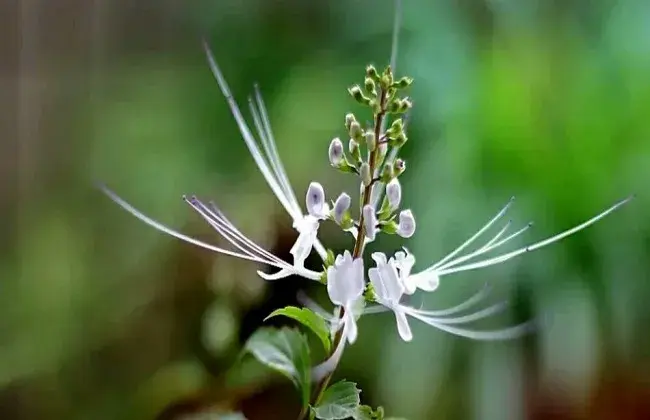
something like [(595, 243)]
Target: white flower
[(267, 157), (389, 290), (307, 227), (388, 284), (406, 224), (246, 248), (345, 283)]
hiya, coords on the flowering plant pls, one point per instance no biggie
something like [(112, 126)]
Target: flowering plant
[(354, 289)]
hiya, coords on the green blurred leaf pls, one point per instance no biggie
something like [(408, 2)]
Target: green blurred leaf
[(339, 401), (308, 318), (286, 351)]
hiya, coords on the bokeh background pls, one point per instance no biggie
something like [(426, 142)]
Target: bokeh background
[(103, 318)]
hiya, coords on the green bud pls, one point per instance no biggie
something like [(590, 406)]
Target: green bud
[(375, 105), (399, 141), (371, 72), (353, 146), (355, 131), (364, 173), (349, 119), (371, 140), (386, 80), (370, 87), (357, 94), (399, 166), (402, 83), (404, 105), (387, 174), (395, 129)]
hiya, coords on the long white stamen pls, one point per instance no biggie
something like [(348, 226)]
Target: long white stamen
[(273, 159), (261, 162), (535, 246), (504, 334), (497, 236), (484, 250), (228, 230), (475, 316), (159, 226), (319, 372), (466, 304), (465, 244)]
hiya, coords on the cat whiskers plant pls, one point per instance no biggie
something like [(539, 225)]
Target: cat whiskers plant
[(373, 157)]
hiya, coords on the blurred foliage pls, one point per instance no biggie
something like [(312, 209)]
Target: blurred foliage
[(103, 318)]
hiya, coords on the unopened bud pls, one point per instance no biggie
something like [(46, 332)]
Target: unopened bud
[(355, 130), (353, 147), (357, 94), (387, 173), (402, 83), (405, 105), (364, 173), (371, 140), (399, 166), (406, 224), (341, 207), (395, 129), (382, 149), (349, 119), (336, 152), (369, 221), (399, 141), (369, 86), (371, 72), (315, 200), (387, 78), (394, 194)]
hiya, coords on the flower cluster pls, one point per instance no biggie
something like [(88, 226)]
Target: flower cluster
[(372, 156)]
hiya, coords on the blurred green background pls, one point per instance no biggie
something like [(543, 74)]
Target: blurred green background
[(101, 317)]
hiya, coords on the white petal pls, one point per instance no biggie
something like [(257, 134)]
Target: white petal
[(403, 326)]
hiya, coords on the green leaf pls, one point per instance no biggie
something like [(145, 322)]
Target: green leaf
[(309, 319), (339, 401), (286, 351)]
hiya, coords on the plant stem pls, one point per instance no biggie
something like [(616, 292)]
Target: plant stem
[(359, 243)]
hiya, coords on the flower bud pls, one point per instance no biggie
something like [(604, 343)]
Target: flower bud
[(336, 152), (349, 119), (364, 173), (371, 140), (395, 129), (371, 72), (369, 86), (387, 173), (406, 224), (394, 194), (353, 147), (356, 92), (399, 166), (387, 78), (369, 221), (355, 130), (402, 83), (341, 207), (315, 200)]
